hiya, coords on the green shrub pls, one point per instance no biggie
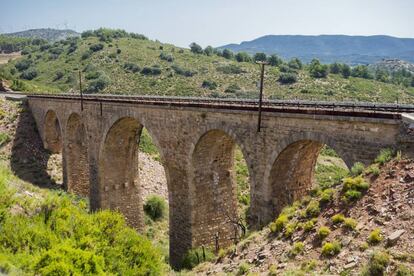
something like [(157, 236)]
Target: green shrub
[(309, 265), (151, 71), (197, 256), (155, 207), (232, 88), (274, 60), (209, 84), (147, 145), (318, 70), (23, 65), (96, 47), (63, 238), (326, 195), (98, 85), (56, 50), (350, 223), (288, 78), (352, 195), (353, 187), (295, 63), (243, 57), (331, 248), (363, 246), (296, 249), (260, 57), (384, 156), (357, 169), (290, 229), (167, 57), (131, 67), (375, 236), (373, 169), (403, 270), (308, 226), (4, 138), (230, 69), (183, 72), (338, 218), (195, 48), (327, 151), (355, 183), (243, 268), (377, 264), (272, 270), (279, 224), (59, 75), (29, 74), (323, 232), (328, 176), (313, 209), (92, 75), (228, 54), (86, 54)]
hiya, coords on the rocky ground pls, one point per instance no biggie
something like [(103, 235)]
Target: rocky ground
[(387, 206)]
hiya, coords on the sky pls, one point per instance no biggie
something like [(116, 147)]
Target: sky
[(213, 22)]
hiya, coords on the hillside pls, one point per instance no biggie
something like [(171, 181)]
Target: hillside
[(51, 232), (331, 48), (48, 34), (121, 63), (334, 231)]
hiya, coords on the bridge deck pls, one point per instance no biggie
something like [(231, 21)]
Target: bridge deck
[(355, 109)]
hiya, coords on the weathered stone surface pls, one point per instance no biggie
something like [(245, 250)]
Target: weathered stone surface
[(394, 237), (99, 148)]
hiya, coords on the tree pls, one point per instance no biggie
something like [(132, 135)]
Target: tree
[(361, 71), (295, 63), (318, 70), (209, 51), (274, 60), (260, 57), (228, 54), (346, 71), (243, 57), (335, 68), (288, 78), (382, 75), (195, 48)]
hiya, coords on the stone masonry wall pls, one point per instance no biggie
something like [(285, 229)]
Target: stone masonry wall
[(195, 145)]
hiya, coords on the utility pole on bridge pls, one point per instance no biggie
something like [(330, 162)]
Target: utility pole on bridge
[(259, 120)]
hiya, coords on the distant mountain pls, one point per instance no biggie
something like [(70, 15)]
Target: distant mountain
[(47, 34), (330, 48)]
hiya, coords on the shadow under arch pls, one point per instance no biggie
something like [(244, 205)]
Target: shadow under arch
[(29, 157), (119, 183), (52, 132), (76, 153), (213, 190), (291, 171)]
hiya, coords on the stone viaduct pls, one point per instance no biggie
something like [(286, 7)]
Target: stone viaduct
[(99, 142)]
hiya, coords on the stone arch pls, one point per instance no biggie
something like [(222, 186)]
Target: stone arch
[(52, 132), (118, 178), (76, 149), (290, 172), (213, 190)]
